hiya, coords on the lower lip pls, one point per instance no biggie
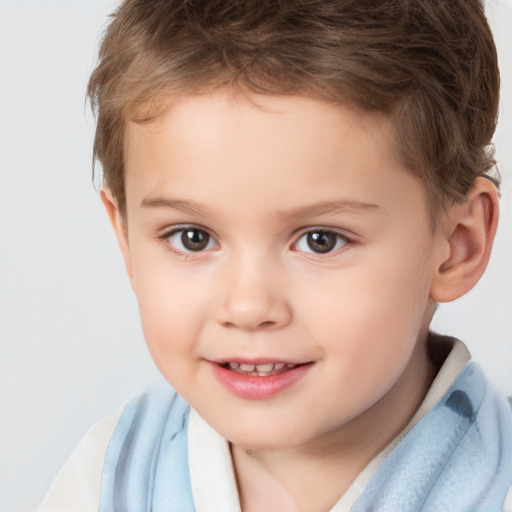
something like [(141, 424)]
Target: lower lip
[(258, 388)]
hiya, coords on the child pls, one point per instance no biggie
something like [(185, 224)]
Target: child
[(294, 186)]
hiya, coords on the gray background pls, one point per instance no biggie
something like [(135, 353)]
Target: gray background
[(71, 348)]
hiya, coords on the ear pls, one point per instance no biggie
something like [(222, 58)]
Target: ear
[(119, 225), (468, 233)]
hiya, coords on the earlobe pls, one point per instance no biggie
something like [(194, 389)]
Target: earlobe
[(468, 231), (118, 223)]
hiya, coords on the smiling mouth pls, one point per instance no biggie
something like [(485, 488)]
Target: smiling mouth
[(259, 370), (259, 379)]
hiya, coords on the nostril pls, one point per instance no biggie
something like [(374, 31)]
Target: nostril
[(250, 326), (253, 312)]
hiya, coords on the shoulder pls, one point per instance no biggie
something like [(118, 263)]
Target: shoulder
[(118, 451), (77, 486)]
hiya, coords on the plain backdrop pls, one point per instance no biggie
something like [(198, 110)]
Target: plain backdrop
[(71, 348)]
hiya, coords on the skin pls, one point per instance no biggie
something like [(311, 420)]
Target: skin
[(255, 177)]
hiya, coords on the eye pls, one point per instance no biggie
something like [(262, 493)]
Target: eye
[(190, 239), (321, 241)]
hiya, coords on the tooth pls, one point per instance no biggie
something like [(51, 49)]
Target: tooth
[(247, 367), (234, 365), (290, 365), (264, 367), (263, 374), (278, 366)]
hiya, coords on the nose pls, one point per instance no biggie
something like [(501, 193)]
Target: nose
[(254, 297)]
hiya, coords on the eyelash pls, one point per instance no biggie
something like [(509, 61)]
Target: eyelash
[(165, 240)]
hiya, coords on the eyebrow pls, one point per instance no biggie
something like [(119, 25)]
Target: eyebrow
[(313, 210), (175, 204), (329, 208)]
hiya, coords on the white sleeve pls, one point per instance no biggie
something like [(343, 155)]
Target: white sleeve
[(507, 506), (77, 486)]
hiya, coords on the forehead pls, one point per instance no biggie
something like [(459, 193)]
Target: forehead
[(207, 111), (284, 149)]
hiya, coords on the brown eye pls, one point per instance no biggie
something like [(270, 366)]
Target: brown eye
[(195, 239), (190, 240), (321, 242)]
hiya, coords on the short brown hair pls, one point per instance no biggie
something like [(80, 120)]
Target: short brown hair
[(430, 65)]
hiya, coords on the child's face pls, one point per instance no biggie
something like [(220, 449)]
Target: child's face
[(280, 234)]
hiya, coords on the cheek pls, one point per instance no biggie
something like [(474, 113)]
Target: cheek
[(369, 301), (173, 307), (370, 320), (171, 323)]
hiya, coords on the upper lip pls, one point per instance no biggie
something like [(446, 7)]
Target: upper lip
[(256, 360)]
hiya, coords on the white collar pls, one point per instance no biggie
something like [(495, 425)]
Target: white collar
[(212, 475)]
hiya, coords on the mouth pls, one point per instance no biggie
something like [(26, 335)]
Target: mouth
[(259, 380), (259, 370)]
